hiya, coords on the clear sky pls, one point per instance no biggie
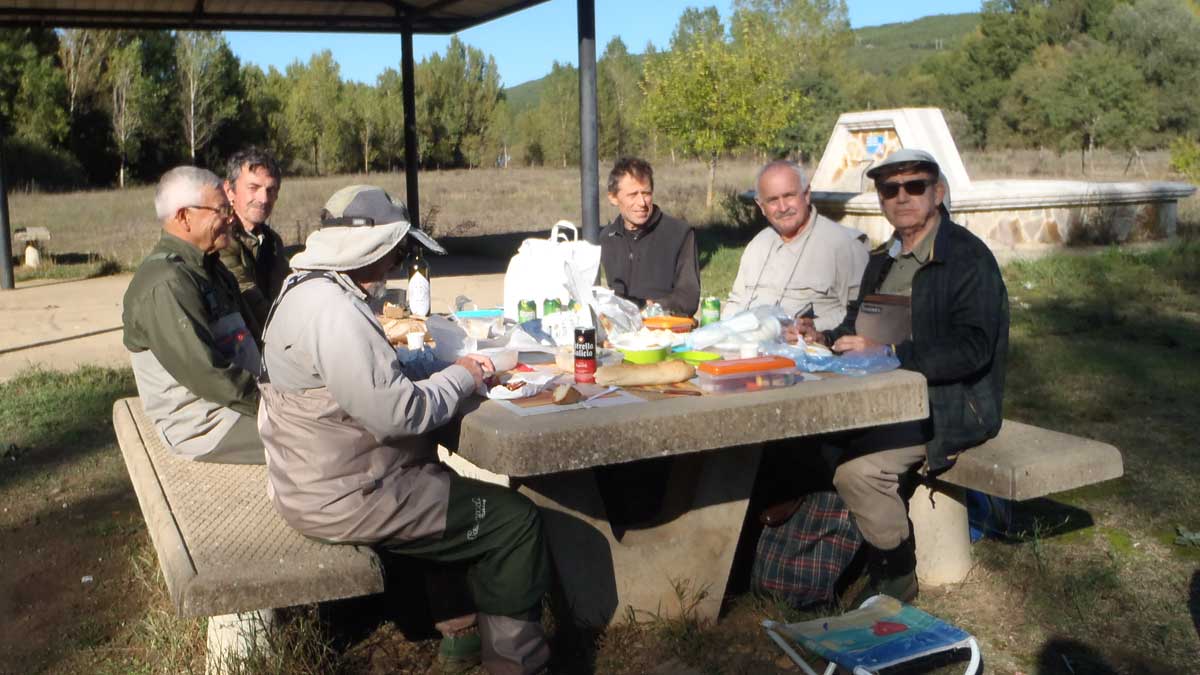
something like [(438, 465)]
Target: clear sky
[(524, 44)]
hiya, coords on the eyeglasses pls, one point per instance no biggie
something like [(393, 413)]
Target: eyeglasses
[(914, 188), (224, 211)]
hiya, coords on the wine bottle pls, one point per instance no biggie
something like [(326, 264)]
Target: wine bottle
[(417, 269)]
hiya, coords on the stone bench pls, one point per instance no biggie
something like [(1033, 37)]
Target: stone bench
[(224, 551), (1022, 462)]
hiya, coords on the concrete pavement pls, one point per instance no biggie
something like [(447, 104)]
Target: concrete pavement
[(62, 325)]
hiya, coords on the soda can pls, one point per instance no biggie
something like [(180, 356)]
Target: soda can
[(585, 355), (573, 306), (551, 306), (526, 311), (710, 310)]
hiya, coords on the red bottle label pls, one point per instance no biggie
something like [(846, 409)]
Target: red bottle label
[(585, 355)]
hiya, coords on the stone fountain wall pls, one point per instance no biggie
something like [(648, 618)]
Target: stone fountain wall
[(1007, 214)]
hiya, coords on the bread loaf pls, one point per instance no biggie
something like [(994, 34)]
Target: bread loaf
[(635, 374)]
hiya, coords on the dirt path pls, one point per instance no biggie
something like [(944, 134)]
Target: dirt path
[(64, 324)]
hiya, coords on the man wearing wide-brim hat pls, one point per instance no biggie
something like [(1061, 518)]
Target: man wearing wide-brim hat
[(933, 297), (346, 428)]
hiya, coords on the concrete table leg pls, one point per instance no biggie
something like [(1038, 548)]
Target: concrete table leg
[(233, 637), (939, 518), (677, 565)]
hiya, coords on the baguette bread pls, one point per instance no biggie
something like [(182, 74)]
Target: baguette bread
[(635, 374)]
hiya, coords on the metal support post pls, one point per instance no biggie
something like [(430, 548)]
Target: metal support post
[(411, 159), (6, 253), (589, 161)]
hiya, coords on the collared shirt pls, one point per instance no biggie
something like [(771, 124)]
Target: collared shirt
[(900, 277), (822, 265)]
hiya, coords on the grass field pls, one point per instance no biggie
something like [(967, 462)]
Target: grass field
[(1093, 581)]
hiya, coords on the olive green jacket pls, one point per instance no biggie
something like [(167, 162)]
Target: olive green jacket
[(192, 345), (259, 267)]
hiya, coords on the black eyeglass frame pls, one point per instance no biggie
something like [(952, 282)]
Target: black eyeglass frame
[(225, 211)]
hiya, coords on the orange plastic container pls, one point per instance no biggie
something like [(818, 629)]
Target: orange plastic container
[(757, 364), (763, 372), (677, 324)]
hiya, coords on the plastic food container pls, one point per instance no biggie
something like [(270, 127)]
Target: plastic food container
[(675, 324), (695, 358), (654, 355), (762, 372)]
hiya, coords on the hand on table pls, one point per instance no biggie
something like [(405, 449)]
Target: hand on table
[(856, 343), (480, 367), (808, 330)]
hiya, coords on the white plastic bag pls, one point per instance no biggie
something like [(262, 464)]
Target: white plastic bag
[(545, 268)]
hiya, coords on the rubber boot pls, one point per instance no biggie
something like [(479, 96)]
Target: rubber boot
[(513, 646), (461, 648), (892, 572)]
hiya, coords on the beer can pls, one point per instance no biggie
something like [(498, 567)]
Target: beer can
[(526, 311), (585, 355), (551, 306), (710, 310)]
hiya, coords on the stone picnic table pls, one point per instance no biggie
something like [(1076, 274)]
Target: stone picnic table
[(687, 549)]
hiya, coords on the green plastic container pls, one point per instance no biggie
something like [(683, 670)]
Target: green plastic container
[(695, 358), (646, 355)]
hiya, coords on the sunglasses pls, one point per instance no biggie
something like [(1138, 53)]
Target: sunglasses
[(914, 188), (224, 211)]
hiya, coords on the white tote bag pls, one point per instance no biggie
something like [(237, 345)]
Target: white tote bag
[(546, 268)]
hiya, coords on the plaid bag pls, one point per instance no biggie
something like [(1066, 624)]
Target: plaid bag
[(802, 559)]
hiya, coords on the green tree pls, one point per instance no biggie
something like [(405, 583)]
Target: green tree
[(456, 103), (619, 100), (311, 110), (364, 113), (204, 64), (711, 95), (391, 132), (81, 51), (1162, 40), (812, 38), (973, 79), (556, 118), (128, 89), (1079, 96)]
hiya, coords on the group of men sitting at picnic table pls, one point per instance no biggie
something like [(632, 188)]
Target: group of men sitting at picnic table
[(242, 356)]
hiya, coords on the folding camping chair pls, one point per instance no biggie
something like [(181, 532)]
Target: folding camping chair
[(883, 632)]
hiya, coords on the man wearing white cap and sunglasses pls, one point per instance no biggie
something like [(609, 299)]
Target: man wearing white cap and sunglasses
[(933, 297), (347, 432)]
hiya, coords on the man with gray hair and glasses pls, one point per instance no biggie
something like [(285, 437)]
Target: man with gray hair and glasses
[(804, 262), (190, 335)]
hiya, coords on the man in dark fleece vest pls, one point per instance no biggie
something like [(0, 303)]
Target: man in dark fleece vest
[(647, 255)]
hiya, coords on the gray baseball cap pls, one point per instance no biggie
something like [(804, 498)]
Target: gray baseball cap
[(359, 225), (902, 156)]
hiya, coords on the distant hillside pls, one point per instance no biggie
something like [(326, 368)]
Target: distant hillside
[(877, 49), (524, 96), (894, 46)]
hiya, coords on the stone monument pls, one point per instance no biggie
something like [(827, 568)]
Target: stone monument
[(1012, 215)]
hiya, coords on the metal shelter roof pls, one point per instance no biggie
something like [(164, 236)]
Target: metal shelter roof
[(361, 16)]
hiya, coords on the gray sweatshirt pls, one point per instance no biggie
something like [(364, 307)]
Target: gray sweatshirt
[(346, 429)]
